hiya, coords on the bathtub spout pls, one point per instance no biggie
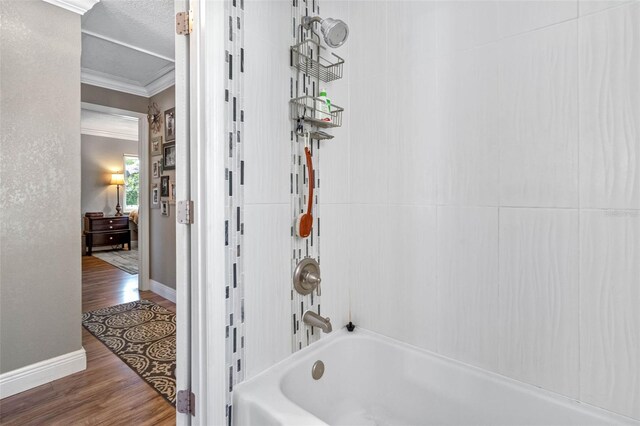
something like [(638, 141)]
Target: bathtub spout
[(315, 320)]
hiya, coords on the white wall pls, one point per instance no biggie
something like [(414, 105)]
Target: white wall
[(482, 199), (495, 187), (268, 213), (266, 193)]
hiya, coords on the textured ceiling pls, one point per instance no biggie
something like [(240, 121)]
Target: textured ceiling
[(148, 24), (128, 41), (121, 62)]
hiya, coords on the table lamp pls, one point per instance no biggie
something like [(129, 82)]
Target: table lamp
[(117, 179)]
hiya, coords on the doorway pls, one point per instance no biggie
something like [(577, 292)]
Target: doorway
[(111, 138)]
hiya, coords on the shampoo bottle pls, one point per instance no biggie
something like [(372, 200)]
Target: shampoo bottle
[(323, 107)]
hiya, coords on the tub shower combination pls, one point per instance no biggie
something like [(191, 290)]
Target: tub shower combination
[(369, 379), (358, 377)]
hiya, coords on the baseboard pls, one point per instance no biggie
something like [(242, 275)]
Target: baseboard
[(31, 376), (163, 290)]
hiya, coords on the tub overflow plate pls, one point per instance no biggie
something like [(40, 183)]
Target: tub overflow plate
[(317, 370)]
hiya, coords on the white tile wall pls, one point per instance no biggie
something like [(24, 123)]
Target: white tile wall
[(266, 109), (538, 300), (393, 265), (467, 116), (609, 317), (370, 279), (268, 17), (334, 171), (466, 24), (410, 110), (610, 109), (411, 44), (586, 7), (450, 199), (412, 135), (335, 262), (267, 285), (367, 39), (515, 17), (538, 118), (468, 284), (370, 142), (412, 245)]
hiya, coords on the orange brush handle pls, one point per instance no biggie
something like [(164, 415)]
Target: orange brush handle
[(306, 219), (311, 179)]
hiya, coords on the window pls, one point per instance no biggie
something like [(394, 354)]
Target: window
[(131, 182)]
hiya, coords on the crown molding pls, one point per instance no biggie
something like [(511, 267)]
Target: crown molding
[(76, 6), (94, 78), (108, 134), (108, 125), (107, 81), (161, 83)]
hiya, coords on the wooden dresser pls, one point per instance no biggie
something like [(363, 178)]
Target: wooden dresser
[(106, 231)]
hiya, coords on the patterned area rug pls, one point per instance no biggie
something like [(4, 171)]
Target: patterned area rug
[(143, 335), (127, 260)]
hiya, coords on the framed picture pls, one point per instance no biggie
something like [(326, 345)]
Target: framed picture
[(164, 208), (155, 196), (169, 157), (164, 186), (156, 145), (172, 192), (156, 168), (170, 125)]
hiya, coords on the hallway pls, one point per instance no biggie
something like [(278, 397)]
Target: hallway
[(108, 392)]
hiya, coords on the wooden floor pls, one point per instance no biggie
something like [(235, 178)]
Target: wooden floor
[(108, 392)]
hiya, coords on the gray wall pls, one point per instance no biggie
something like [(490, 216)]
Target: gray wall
[(40, 278), (163, 228), (100, 157), (111, 98)]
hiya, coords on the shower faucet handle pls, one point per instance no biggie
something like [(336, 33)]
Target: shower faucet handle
[(306, 276), (311, 277)]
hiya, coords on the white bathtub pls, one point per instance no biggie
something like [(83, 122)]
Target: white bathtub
[(373, 380)]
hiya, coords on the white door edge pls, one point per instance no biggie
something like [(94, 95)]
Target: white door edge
[(207, 191), (183, 232)]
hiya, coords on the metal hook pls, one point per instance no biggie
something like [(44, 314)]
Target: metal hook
[(300, 126)]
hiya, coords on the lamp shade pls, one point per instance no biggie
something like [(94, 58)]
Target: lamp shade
[(117, 179)]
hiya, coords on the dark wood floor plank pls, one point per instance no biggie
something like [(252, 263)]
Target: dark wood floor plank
[(108, 392)]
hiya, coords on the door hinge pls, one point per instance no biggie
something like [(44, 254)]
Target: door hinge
[(184, 23), (185, 212), (186, 402)]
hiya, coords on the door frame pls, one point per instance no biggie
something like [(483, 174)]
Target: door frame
[(184, 285), (143, 203), (200, 86)]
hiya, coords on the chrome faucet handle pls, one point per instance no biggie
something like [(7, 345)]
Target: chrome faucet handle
[(306, 276), (311, 277), (314, 280)]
